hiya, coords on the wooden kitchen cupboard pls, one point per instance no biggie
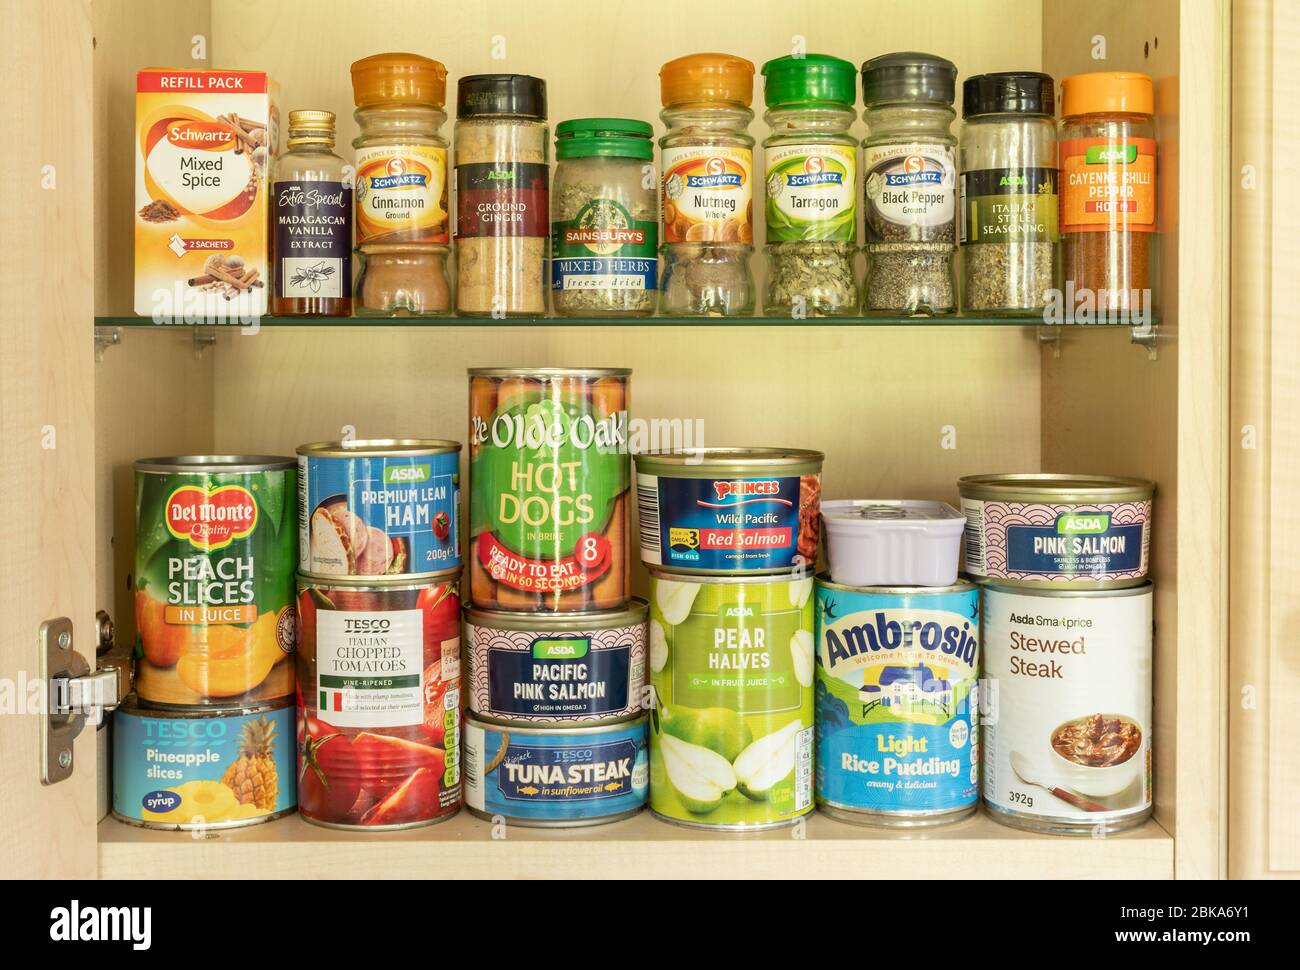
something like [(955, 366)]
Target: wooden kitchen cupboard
[(900, 408)]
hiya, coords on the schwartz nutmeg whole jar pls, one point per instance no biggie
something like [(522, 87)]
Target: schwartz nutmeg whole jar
[(708, 171), (812, 165), (909, 169), (502, 205), (604, 219), (1107, 157), (401, 185)]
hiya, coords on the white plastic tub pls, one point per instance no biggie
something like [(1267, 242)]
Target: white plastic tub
[(873, 542)]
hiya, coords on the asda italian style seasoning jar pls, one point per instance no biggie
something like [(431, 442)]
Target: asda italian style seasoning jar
[(502, 205), (1107, 158), (1008, 193), (812, 164), (401, 185), (604, 219), (311, 222), (708, 168), (909, 168)]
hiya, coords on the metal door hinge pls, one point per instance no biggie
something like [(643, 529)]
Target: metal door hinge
[(77, 697)]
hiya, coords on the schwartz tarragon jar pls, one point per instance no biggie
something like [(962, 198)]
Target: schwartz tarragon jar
[(549, 477)]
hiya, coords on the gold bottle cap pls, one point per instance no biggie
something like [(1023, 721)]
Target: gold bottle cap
[(310, 126)]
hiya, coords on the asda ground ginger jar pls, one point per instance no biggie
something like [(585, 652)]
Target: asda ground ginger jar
[(401, 185), (708, 171), (811, 205)]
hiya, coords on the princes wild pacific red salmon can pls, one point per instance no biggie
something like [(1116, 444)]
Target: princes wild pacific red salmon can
[(379, 702), (549, 474)]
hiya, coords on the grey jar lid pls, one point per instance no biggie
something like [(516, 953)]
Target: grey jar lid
[(909, 76)]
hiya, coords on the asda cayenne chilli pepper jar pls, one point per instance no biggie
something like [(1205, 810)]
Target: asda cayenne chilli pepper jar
[(812, 193), (604, 219), (1008, 193), (502, 202), (708, 170), (909, 171), (1107, 158), (401, 185)]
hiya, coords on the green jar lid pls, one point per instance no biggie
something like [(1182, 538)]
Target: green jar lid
[(616, 137), (813, 77)]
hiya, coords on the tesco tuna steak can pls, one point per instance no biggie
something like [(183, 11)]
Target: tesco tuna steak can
[(897, 703), (379, 509), (203, 769), (1067, 708), (575, 668), (731, 663), (729, 510), (379, 702), (1054, 531), (556, 777)]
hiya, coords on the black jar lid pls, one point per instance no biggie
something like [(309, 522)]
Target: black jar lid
[(501, 94), (909, 76), (1008, 92)]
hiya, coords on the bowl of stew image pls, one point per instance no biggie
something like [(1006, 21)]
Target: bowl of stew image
[(1098, 754)]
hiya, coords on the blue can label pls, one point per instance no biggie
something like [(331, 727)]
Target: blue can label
[(561, 776), (196, 772), (897, 711), (729, 524), (379, 515)]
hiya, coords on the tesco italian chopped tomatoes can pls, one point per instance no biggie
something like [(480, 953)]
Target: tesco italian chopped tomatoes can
[(379, 702)]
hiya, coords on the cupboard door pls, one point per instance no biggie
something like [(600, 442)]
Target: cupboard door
[(46, 421), (1264, 760)]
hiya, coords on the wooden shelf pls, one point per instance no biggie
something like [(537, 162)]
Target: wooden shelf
[(640, 847)]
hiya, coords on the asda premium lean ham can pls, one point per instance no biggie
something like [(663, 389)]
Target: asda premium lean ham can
[(549, 477), (379, 509), (1066, 708), (1056, 531)]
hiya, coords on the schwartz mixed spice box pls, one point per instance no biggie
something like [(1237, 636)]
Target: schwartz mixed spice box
[(205, 141)]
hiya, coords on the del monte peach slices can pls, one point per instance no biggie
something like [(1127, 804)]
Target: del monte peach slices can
[(216, 542)]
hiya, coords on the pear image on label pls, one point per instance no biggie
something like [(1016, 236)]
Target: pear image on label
[(701, 776), (718, 728), (800, 591), (658, 646), (801, 652), (767, 762), (675, 599)]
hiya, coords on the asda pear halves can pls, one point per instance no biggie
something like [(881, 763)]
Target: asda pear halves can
[(731, 731)]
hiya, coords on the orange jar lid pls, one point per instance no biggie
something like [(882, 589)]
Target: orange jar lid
[(707, 77), (382, 78), (1107, 92)]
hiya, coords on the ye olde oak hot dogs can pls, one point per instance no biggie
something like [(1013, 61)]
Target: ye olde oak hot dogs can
[(579, 668), (897, 703), (729, 510), (555, 777), (549, 477), (379, 509), (214, 550), (379, 702), (731, 662), (1052, 531), (202, 769), (1067, 708)]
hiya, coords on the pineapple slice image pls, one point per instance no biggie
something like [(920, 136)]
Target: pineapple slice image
[(201, 801)]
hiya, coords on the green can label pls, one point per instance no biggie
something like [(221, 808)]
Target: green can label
[(732, 733), (1004, 205), (214, 585), (810, 193)]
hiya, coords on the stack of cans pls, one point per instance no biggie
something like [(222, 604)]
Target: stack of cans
[(730, 537), (556, 646)]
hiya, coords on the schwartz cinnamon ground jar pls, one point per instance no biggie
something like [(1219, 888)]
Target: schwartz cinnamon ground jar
[(1107, 160)]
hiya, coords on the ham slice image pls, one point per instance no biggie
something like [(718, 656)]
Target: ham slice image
[(377, 555)]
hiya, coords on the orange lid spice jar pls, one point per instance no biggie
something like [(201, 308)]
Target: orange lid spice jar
[(1107, 160), (401, 185), (708, 169)]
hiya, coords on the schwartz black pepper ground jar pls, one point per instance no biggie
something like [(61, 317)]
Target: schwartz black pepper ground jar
[(909, 167), (604, 219)]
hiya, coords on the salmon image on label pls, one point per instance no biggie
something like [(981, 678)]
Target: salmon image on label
[(214, 579)]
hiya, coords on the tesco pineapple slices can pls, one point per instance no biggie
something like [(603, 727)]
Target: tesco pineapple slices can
[(203, 769), (731, 732)]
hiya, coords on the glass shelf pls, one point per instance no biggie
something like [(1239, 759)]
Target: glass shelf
[(955, 320)]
